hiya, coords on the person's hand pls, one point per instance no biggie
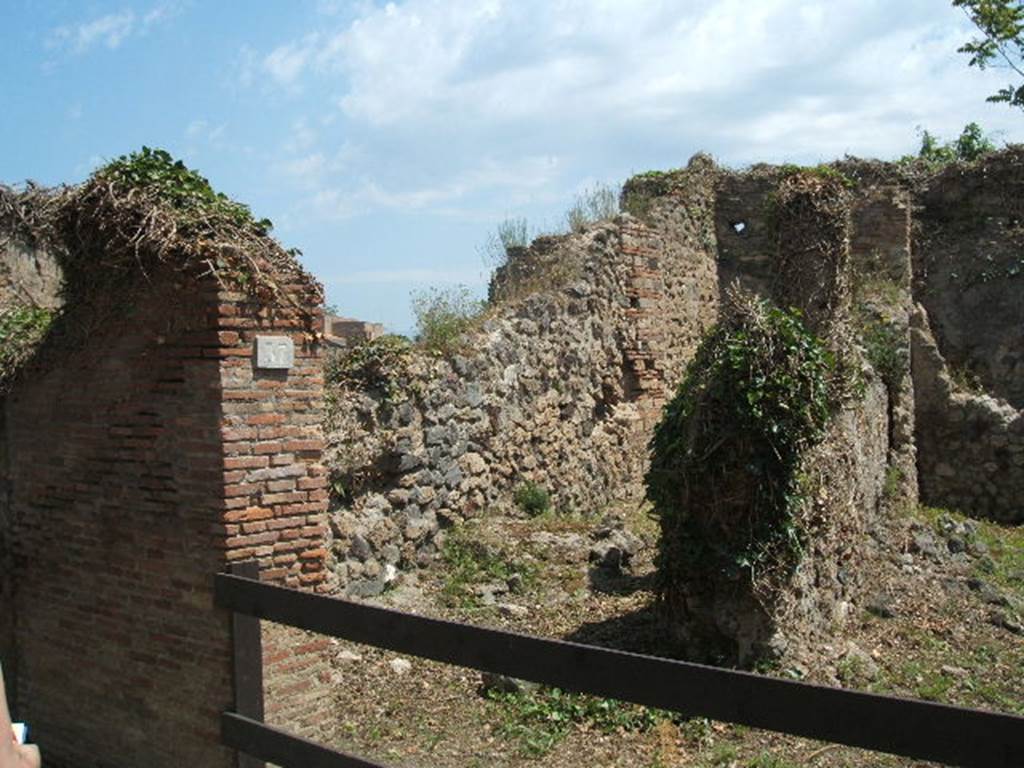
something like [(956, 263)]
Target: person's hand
[(28, 756)]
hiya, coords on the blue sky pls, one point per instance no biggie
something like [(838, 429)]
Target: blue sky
[(387, 140)]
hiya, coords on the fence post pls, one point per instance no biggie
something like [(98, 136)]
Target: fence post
[(248, 661)]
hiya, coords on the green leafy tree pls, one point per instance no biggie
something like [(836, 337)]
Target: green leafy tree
[(1001, 45), (970, 145)]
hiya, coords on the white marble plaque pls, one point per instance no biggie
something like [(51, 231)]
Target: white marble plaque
[(275, 352)]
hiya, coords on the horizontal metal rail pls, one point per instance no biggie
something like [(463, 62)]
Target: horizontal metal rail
[(908, 727)]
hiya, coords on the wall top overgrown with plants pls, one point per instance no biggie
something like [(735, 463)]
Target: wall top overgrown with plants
[(134, 216)]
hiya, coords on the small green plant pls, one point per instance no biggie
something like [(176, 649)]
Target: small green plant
[(443, 316), (510, 234), (380, 365), (598, 203), (894, 478), (21, 330), (532, 499), (972, 144), (640, 191), (538, 720), (965, 379), (887, 349), (470, 561), (821, 170), (697, 732)]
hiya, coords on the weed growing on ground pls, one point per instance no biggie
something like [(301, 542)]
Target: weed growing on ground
[(532, 499), (470, 562), (536, 721), (1005, 544)]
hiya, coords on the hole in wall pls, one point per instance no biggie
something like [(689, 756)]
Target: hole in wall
[(739, 227)]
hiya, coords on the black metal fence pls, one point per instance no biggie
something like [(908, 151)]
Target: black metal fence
[(908, 727)]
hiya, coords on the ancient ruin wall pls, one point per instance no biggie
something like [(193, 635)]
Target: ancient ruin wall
[(28, 276), (968, 345), (141, 457), (114, 471), (880, 265), (559, 388), (800, 259), (969, 268), (970, 445)]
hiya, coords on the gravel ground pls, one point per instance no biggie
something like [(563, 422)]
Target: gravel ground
[(937, 623)]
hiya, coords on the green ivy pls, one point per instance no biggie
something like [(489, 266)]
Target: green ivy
[(21, 329), (378, 365), (887, 349), (182, 188), (821, 170), (724, 477)]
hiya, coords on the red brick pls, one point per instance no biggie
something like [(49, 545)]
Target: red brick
[(283, 498), (246, 462), (241, 489), (312, 483), (304, 445), (261, 419)]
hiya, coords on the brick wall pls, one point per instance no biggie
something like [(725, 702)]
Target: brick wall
[(139, 463), (275, 490), (672, 286)]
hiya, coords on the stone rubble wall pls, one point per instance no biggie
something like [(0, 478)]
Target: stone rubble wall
[(968, 345), (559, 388), (881, 272), (969, 269), (803, 263), (970, 445), (28, 275)]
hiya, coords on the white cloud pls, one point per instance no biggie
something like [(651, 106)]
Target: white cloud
[(458, 107), (341, 202), (286, 63), (302, 136), (160, 13), (195, 128), (306, 167), (453, 63), (498, 61), (201, 129), (109, 30)]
